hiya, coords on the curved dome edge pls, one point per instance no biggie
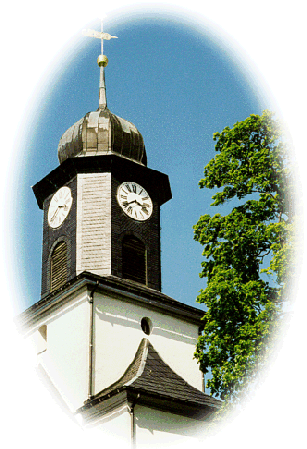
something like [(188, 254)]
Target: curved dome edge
[(101, 132)]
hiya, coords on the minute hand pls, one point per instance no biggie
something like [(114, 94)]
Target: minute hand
[(54, 215)]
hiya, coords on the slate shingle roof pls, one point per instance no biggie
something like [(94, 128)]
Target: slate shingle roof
[(150, 374)]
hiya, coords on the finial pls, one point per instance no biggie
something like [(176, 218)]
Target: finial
[(102, 62)]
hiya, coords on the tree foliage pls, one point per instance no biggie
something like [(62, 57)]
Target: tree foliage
[(247, 252)]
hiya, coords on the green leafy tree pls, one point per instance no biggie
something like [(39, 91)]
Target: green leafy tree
[(247, 253)]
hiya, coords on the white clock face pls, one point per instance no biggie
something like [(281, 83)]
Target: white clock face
[(59, 207), (134, 200)]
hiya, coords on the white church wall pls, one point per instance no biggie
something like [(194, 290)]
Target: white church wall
[(65, 358), (118, 334), (115, 425), (175, 340), (159, 429)]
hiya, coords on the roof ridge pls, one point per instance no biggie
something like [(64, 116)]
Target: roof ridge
[(152, 380), (141, 368), (129, 375)]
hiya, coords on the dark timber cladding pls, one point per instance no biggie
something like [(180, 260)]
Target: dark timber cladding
[(134, 259), (51, 251), (146, 233), (128, 260)]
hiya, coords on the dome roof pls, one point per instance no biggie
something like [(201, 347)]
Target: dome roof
[(101, 132)]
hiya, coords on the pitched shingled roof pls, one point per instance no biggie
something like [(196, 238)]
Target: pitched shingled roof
[(149, 374)]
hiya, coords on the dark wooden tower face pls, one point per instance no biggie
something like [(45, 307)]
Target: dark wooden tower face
[(135, 251), (59, 245), (97, 235)]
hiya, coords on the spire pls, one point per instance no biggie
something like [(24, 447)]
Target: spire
[(100, 132), (102, 62)]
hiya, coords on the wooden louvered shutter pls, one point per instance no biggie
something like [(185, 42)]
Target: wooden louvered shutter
[(134, 260), (58, 266)]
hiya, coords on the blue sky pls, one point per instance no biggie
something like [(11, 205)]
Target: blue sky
[(178, 85)]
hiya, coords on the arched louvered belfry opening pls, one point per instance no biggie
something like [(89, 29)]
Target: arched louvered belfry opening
[(134, 259), (58, 266)]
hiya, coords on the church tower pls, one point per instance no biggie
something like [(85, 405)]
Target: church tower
[(102, 204), (113, 348)]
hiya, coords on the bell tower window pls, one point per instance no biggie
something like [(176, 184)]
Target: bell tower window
[(58, 266), (134, 260)]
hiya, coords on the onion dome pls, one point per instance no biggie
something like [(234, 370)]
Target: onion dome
[(101, 132)]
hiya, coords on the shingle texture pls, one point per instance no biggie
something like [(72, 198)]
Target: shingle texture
[(150, 374)]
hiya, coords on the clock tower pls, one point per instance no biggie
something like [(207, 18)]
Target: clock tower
[(115, 350), (102, 210), (102, 204)]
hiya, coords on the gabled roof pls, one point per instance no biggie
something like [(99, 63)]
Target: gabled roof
[(149, 375)]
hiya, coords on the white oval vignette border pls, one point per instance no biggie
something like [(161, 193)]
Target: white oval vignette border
[(30, 40)]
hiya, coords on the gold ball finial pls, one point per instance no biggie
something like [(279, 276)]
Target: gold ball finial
[(102, 61)]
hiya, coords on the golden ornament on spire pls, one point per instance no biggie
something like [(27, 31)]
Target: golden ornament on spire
[(102, 62)]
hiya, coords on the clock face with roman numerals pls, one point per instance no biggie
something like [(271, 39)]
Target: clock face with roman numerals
[(134, 200), (59, 207)]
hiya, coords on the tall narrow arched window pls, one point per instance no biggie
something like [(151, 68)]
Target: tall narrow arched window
[(134, 260), (58, 266)]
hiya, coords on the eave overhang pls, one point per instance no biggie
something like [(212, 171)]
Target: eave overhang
[(150, 382), (98, 408), (124, 289), (103, 164)]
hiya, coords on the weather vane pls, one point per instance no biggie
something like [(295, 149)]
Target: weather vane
[(102, 62)]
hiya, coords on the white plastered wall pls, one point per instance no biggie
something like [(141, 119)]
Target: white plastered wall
[(158, 429), (113, 427), (66, 358), (118, 334)]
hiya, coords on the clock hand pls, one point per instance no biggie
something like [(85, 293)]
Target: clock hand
[(54, 215), (133, 201)]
